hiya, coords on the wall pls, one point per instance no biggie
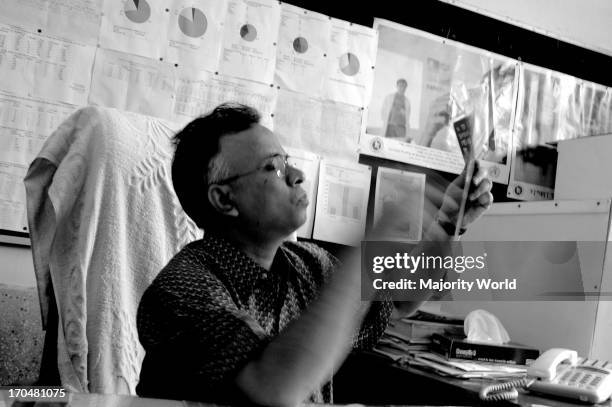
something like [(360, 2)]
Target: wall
[(546, 324), (21, 335), (16, 267), (580, 22)]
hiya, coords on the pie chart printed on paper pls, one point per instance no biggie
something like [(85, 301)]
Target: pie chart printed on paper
[(138, 11), (192, 22), (248, 32), (300, 45), (349, 64)]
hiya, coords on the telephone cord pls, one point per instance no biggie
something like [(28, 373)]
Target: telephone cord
[(504, 391)]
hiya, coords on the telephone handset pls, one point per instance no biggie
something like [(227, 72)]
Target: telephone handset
[(545, 367), (562, 373)]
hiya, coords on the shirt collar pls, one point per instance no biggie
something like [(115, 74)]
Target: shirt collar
[(236, 264)]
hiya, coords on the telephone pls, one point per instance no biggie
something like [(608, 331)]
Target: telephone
[(561, 373)]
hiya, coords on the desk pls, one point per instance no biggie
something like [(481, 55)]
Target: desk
[(372, 379), (112, 400), (365, 378)]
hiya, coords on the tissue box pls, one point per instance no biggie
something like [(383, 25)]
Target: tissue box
[(458, 348)]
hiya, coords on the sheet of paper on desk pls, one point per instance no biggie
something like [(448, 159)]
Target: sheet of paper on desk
[(461, 369), (392, 354)]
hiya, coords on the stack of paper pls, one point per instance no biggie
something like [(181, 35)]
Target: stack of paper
[(462, 369)]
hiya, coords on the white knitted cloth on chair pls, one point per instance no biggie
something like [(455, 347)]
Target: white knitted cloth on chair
[(103, 220)]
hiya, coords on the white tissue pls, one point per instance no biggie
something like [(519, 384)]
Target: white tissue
[(482, 326)]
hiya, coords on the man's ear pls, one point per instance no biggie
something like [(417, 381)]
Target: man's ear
[(221, 198)]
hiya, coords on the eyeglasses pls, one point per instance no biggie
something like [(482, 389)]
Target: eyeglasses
[(277, 164)]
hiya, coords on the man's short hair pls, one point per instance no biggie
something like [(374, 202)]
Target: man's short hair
[(401, 80), (197, 162)]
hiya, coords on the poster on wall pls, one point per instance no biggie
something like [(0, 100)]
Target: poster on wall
[(322, 126), (132, 83), (198, 92), (399, 198), (195, 30), (135, 27), (249, 40), (301, 56), (597, 109), (25, 124), (41, 66), (350, 63), (342, 202), (548, 110), (308, 163), (422, 84), (56, 17)]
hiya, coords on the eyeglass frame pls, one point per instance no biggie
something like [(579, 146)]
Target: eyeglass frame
[(280, 172)]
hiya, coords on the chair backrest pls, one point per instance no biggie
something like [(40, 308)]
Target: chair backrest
[(104, 220)]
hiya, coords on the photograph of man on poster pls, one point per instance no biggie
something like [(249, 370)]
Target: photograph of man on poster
[(396, 112)]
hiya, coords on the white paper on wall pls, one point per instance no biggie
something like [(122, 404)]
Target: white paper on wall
[(399, 197), (42, 66), (308, 163), (341, 127), (302, 48), (132, 83), (350, 63), (200, 92), (326, 128), (596, 102), (25, 124), (249, 40), (135, 26), (13, 214), (549, 109), (342, 202), (56, 17), (195, 30)]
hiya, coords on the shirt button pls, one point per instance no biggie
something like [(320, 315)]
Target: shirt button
[(264, 275)]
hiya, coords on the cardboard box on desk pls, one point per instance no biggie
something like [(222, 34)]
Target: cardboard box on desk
[(584, 166), (460, 348)]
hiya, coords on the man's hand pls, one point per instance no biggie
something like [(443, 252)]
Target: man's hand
[(479, 199)]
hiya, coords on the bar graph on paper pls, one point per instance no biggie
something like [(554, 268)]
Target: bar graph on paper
[(342, 202), (345, 201)]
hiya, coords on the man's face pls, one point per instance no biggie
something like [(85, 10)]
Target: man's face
[(266, 203), (401, 87)]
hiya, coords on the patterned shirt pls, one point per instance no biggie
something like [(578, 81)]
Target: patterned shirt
[(212, 309)]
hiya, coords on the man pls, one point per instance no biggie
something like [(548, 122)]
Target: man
[(243, 315), (396, 112)]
